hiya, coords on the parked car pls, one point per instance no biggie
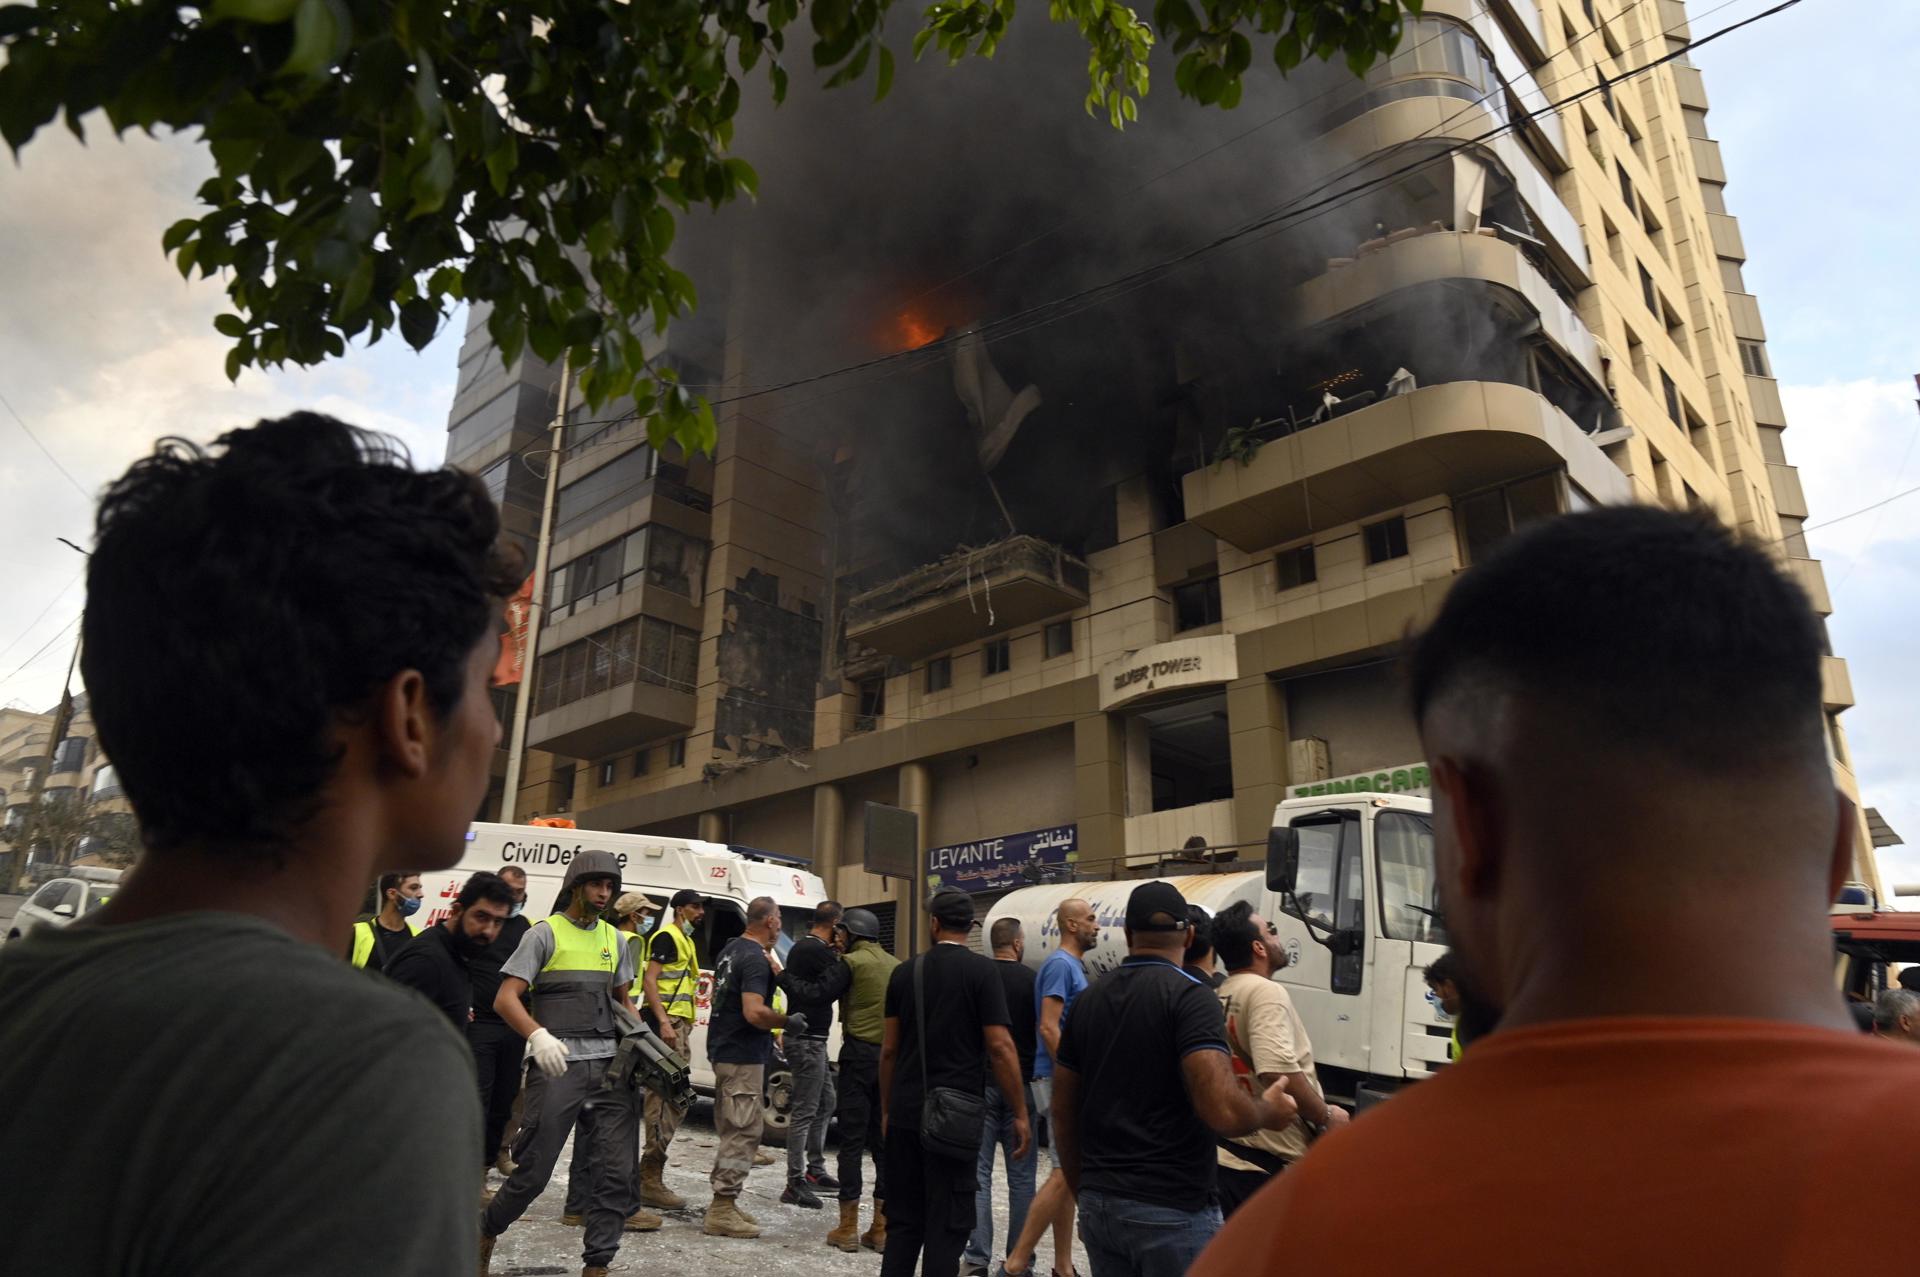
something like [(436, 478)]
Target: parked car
[(58, 902)]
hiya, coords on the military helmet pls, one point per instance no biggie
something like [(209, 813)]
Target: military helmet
[(861, 924)]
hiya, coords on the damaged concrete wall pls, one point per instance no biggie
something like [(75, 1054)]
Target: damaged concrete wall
[(767, 658), (1362, 714), (1008, 787)]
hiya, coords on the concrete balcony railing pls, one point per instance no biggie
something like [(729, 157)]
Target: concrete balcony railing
[(1692, 88), (945, 604), (1836, 685), (1451, 437), (1743, 312), (1813, 579), (1725, 232), (608, 722), (1788, 496), (1449, 255)]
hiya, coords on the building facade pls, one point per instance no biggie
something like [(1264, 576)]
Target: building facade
[(76, 771), (1520, 311)]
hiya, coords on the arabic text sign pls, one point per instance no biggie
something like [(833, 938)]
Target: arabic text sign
[(992, 863)]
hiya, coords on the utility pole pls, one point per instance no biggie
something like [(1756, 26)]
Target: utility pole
[(537, 605), (62, 719)]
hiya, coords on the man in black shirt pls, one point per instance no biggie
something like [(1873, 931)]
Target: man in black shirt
[(814, 980), (435, 961), (497, 1049), (1198, 961), (1142, 1088), (1016, 977), (739, 1039), (950, 1042)]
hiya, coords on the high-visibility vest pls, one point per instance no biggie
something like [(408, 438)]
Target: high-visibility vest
[(680, 979), (570, 993), (779, 1005), (363, 940)]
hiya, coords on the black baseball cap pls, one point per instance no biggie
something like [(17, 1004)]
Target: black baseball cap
[(1156, 906), (686, 896), (953, 908)]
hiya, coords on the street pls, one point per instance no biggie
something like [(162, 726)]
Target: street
[(792, 1242)]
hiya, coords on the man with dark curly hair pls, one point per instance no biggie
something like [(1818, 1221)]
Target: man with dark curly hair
[(288, 641)]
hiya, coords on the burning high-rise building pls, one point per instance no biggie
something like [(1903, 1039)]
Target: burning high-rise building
[(1135, 453)]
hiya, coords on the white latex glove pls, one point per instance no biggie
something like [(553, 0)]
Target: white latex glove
[(549, 1052)]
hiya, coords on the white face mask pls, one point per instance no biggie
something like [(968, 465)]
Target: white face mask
[(519, 907)]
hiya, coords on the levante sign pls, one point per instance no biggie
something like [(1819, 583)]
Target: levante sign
[(993, 863)]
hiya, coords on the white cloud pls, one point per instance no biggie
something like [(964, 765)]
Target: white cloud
[(1848, 439), (103, 349)]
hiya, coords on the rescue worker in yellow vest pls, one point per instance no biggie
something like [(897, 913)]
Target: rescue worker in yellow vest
[(672, 989), (632, 916), (575, 966), (378, 940)]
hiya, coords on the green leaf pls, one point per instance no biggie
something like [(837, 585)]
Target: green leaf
[(426, 94), (230, 325), (358, 288), (502, 159), (322, 31), (659, 230), (236, 360), (743, 173), (883, 80), (262, 11), (432, 180), (419, 322), (184, 256), (447, 281), (179, 233)]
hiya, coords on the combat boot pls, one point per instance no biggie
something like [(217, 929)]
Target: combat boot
[(593, 1272), (654, 1191), (875, 1238), (798, 1194), (642, 1221), (847, 1236), (725, 1220), (570, 1220)]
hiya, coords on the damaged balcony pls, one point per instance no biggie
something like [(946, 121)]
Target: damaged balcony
[(1448, 438), (972, 593)]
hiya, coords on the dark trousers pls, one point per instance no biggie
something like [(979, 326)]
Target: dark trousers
[(553, 1106), (930, 1208), (580, 1168), (497, 1051), (1235, 1187), (859, 1117)]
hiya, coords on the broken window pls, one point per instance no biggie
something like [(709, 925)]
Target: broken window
[(1485, 519), (676, 561), (1386, 540), (1189, 758), (996, 657), (1057, 639), (1753, 358), (607, 489), (606, 773), (872, 694), (677, 752), (563, 787), (1196, 603), (1295, 568), (639, 763), (939, 674)]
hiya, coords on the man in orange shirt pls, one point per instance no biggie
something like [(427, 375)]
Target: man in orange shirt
[(1633, 809)]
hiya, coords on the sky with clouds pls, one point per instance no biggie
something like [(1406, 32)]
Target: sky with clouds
[(103, 348)]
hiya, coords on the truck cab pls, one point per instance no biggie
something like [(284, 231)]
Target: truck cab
[(1354, 896)]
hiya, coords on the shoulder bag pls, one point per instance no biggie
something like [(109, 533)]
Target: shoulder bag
[(951, 1120)]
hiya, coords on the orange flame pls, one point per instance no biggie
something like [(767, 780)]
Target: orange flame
[(915, 329)]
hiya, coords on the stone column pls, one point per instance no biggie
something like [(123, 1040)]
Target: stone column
[(713, 827), (1100, 791), (829, 824), (916, 796), (1257, 745)]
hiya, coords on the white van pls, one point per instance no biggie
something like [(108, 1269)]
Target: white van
[(659, 867)]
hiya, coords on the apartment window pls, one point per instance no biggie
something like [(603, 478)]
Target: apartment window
[(872, 694), (1633, 135), (563, 787), (1386, 540), (1676, 327), (641, 649), (1196, 603), (996, 657), (677, 752), (1614, 249), (1648, 293), (1295, 568), (509, 479), (1697, 433), (1485, 519), (604, 491), (1753, 358), (1057, 639), (657, 554), (1571, 39), (1671, 394), (1592, 131), (606, 773), (639, 763), (939, 674), (1626, 187), (1637, 355)]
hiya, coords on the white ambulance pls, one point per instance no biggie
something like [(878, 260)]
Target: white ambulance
[(659, 867)]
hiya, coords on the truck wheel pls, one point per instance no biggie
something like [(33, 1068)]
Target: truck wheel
[(778, 1098)]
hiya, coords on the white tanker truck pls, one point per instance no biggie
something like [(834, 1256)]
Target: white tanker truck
[(1350, 885)]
